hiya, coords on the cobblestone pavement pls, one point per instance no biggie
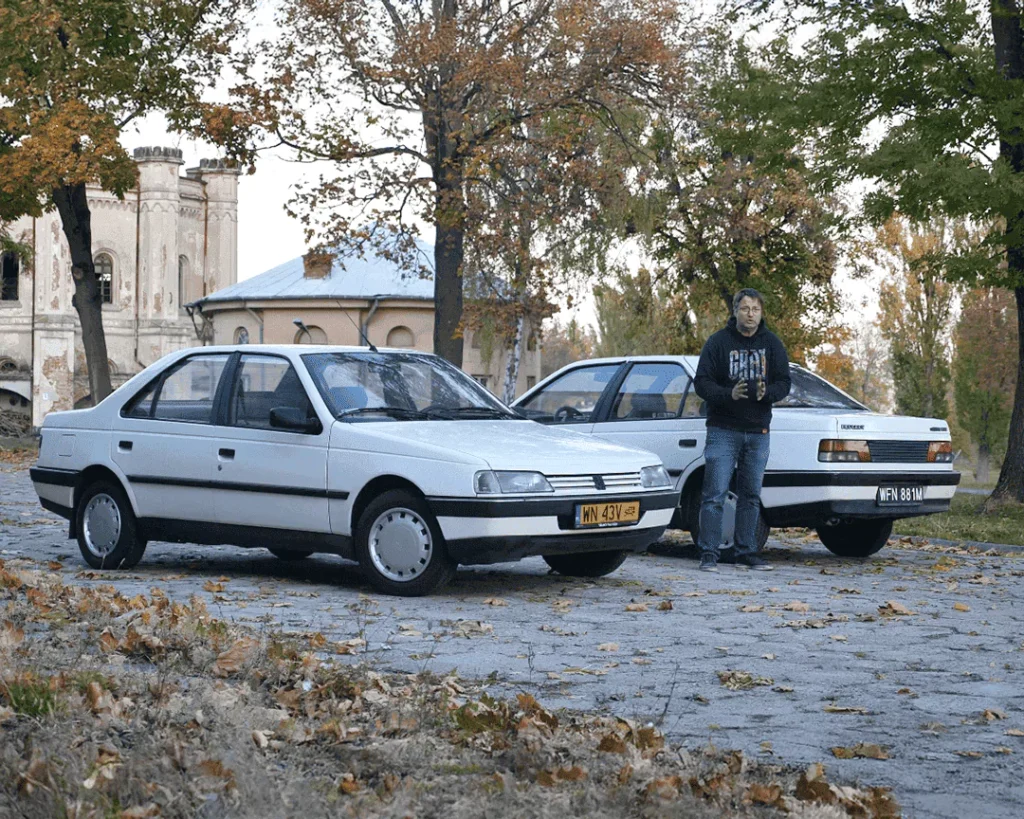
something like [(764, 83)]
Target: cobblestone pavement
[(918, 650)]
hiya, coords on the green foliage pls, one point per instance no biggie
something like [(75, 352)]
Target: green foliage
[(30, 695), (984, 368), (732, 199), (567, 344), (73, 74), (638, 316)]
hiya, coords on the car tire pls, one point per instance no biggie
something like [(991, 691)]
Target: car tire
[(692, 507), (587, 564), (400, 546), (289, 555), (859, 538), (108, 533)]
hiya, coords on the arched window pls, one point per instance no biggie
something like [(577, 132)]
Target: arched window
[(311, 335), (104, 263), (401, 337), (242, 335), (183, 294)]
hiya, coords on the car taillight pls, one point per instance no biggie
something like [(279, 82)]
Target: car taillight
[(834, 451), (940, 452)]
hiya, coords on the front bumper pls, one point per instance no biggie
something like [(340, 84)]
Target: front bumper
[(811, 498), (486, 530)]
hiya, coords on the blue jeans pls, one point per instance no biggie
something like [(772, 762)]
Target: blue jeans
[(746, 454)]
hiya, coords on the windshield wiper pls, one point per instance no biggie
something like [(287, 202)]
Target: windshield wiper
[(398, 412), (469, 412)]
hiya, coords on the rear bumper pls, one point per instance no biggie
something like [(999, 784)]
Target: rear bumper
[(811, 498), (497, 530), (56, 489)]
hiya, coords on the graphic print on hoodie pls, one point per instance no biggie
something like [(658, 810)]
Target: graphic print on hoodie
[(729, 357)]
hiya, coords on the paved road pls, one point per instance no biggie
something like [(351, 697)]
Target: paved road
[(940, 687)]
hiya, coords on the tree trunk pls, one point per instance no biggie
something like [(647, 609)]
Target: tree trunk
[(515, 354), (448, 254), (1009, 55), (76, 220), (1010, 486)]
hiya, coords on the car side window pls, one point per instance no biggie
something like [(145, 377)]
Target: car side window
[(650, 392), (263, 383), (571, 398), (693, 405), (185, 392)]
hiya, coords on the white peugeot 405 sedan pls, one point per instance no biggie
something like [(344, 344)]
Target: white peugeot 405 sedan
[(835, 465), (394, 458)]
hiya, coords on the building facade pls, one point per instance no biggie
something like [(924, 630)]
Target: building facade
[(170, 241), (309, 300)]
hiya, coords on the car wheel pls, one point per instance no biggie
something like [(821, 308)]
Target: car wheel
[(587, 564), (400, 546), (289, 555), (859, 538), (107, 529), (692, 505)]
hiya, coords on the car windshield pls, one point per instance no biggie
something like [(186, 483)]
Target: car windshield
[(399, 387), (809, 390)]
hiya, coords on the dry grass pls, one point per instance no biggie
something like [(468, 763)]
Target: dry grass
[(118, 707), (967, 520)]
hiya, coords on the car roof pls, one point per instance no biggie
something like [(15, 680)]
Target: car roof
[(688, 359), (303, 348)]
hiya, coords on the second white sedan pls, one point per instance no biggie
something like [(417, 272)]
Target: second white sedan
[(394, 458), (835, 465)]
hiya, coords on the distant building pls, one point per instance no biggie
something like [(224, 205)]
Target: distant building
[(170, 241), (334, 301)]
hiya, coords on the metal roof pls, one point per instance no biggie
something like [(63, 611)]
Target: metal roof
[(355, 278)]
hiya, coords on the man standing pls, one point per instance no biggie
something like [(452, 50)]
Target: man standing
[(743, 370)]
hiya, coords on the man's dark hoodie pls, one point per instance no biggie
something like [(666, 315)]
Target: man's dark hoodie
[(729, 356)]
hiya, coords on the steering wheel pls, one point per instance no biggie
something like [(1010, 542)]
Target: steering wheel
[(567, 413)]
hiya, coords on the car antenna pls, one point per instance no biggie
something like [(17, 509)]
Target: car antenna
[(362, 335)]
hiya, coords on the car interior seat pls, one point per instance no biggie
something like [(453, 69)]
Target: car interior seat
[(648, 405), (346, 398)]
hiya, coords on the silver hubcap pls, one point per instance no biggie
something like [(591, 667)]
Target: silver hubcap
[(400, 545), (101, 525)]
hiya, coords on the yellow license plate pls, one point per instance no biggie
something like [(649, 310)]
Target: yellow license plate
[(607, 514)]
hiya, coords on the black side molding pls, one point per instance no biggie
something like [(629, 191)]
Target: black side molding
[(54, 477)]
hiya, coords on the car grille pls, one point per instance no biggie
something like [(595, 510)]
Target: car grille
[(617, 482), (899, 452)]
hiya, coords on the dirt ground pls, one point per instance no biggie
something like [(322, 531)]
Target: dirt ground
[(113, 706)]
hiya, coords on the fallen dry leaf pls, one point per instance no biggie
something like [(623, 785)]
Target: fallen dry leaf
[(231, 661), (749, 608), (495, 601), (846, 709), (892, 609), (1014, 732), (665, 605), (636, 607), (961, 607), (608, 647), (796, 605), (862, 750), (741, 680)]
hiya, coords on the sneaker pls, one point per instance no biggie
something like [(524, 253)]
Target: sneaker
[(754, 562), (727, 556), (708, 563)]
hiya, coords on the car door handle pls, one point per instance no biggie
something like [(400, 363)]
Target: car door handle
[(226, 453), (124, 446), (687, 442)]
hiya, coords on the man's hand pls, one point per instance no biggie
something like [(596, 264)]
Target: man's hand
[(739, 392), (761, 389)]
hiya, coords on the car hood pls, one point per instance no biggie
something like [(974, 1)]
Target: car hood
[(856, 425), (514, 445)]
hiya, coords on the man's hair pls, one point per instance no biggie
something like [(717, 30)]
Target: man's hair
[(747, 293)]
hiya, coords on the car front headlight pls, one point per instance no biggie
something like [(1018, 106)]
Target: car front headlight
[(510, 483), (652, 477)]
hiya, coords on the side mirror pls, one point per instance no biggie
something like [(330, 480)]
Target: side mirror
[(295, 419)]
